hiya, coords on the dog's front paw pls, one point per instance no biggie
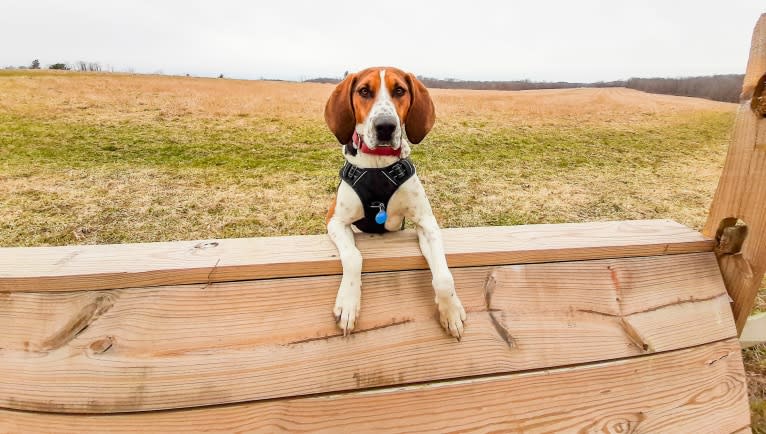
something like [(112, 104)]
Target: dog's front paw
[(451, 314), (346, 308)]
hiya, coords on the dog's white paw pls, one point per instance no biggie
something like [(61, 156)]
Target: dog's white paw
[(346, 308), (451, 314)]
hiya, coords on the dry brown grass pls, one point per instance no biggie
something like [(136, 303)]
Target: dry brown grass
[(119, 97), (618, 106), (87, 159), (148, 99)]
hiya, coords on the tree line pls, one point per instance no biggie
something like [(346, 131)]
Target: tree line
[(724, 87), (80, 65)]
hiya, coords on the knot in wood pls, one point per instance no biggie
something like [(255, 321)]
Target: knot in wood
[(758, 103), (206, 245), (100, 346)]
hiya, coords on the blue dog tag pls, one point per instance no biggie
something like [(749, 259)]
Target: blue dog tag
[(381, 216)]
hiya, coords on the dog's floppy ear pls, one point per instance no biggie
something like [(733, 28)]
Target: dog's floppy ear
[(422, 114), (339, 111)]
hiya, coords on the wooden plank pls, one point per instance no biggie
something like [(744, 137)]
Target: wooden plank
[(133, 265), (702, 389), (168, 347), (754, 332), (741, 192)]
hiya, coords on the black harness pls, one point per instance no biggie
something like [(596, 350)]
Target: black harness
[(375, 188)]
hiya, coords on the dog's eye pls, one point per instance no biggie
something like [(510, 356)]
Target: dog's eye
[(364, 92), (399, 91)]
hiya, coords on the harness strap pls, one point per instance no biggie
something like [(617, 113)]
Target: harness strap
[(375, 188)]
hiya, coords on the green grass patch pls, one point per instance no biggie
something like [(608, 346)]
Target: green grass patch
[(308, 147), (276, 177), (261, 144)]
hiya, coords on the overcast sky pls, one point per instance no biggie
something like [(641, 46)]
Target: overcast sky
[(584, 40)]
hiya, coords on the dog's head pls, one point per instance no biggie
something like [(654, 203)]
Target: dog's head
[(382, 105)]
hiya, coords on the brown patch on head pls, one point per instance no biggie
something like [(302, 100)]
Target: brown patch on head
[(364, 93), (400, 92)]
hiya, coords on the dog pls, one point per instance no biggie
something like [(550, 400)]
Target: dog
[(376, 114)]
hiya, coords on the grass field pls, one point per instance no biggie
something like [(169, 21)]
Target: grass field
[(109, 158), (104, 158)]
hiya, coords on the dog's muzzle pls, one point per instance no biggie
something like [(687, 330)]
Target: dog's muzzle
[(384, 128)]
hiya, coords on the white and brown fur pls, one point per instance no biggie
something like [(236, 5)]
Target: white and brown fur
[(359, 103)]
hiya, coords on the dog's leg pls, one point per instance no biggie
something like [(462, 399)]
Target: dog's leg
[(451, 312), (412, 197), (347, 302), (349, 296)]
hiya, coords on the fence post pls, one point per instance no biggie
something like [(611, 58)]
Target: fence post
[(737, 217)]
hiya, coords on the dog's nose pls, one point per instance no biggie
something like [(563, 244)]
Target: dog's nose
[(385, 127)]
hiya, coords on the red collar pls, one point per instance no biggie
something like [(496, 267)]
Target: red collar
[(380, 150)]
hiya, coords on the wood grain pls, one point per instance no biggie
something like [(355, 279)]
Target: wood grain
[(760, 135), (702, 389), (756, 63), (73, 268), (741, 192), (169, 347)]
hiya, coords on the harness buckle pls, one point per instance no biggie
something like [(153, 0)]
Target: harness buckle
[(351, 172), (398, 171)]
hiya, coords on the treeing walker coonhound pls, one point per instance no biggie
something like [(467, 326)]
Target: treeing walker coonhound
[(376, 114)]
